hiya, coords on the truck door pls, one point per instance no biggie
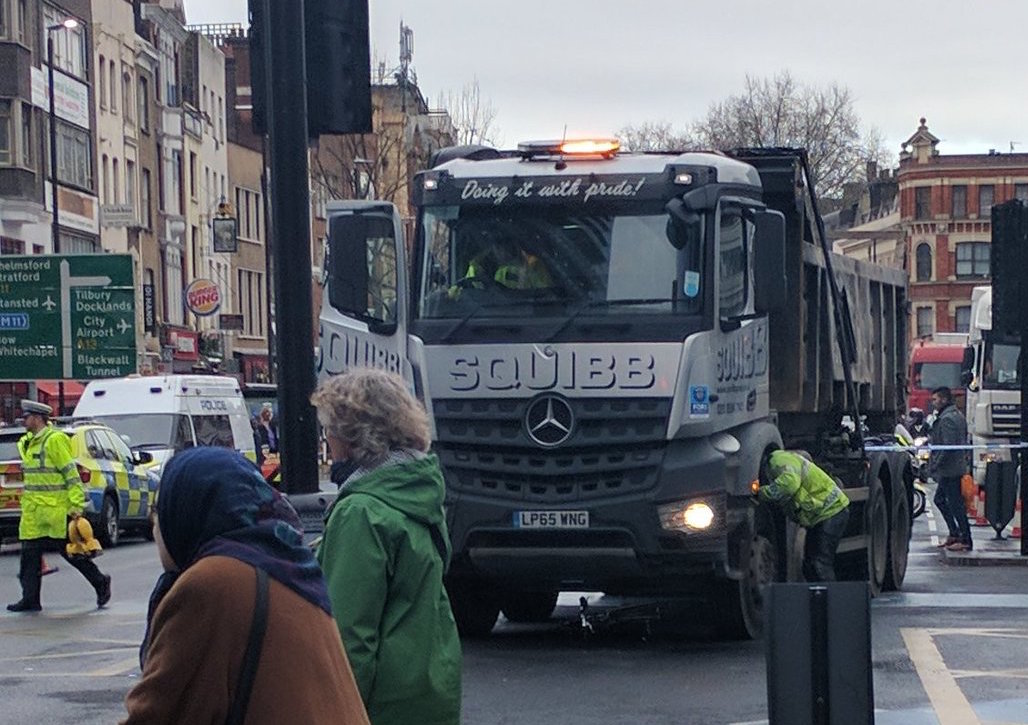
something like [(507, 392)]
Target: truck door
[(365, 303)]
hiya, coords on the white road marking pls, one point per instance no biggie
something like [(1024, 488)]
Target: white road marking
[(948, 700)]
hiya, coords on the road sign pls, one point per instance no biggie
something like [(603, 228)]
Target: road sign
[(67, 316)]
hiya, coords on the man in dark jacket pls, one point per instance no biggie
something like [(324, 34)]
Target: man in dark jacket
[(947, 466)]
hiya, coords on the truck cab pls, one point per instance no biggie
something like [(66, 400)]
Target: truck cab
[(990, 372), (590, 333)]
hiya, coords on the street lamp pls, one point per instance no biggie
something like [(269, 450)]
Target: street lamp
[(68, 24)]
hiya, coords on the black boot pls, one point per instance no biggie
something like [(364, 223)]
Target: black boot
[(103, 592), (23, 606)]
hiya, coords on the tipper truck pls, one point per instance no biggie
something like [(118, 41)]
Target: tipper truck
[(607, 345)]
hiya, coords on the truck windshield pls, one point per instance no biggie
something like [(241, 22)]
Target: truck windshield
[(152, 430), (1000, 368), (932, 375), (547, 260)]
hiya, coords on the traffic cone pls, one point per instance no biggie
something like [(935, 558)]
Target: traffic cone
[(1016, 534), (979, 510)]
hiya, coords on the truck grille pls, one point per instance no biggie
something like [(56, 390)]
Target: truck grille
[(1006, 419), (615, 449)]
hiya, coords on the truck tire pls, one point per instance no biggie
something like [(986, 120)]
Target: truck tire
[(474, 607), (899, 534), (110, 523), (740, 608), (870, 565), (529, 607)]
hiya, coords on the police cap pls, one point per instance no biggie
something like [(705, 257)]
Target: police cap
[(29, 407)]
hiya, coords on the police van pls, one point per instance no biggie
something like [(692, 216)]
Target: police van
[(165, 414)]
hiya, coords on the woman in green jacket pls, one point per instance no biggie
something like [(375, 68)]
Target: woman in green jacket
[(385, 549)]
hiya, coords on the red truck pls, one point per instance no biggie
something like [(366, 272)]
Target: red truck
[(932, 365)]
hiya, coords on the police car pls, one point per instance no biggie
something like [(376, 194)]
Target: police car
[(120, 488)]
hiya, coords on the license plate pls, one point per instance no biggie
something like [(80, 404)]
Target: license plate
[(551, 519)]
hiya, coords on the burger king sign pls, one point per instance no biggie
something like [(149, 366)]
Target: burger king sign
[(203, 297)]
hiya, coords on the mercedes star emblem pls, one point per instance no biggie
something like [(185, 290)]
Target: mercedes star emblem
[(549, 420)]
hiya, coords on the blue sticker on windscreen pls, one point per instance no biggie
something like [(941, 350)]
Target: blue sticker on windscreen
[(691, 284)]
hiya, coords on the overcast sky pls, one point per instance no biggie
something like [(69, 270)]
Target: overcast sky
[(596, 65)]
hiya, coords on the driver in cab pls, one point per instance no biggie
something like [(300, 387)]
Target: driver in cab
[(516, 268)]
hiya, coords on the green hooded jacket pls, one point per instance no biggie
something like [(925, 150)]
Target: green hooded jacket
[(806, 493), (384, 571)]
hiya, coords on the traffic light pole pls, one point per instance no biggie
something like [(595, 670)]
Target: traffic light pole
[(290, 216)]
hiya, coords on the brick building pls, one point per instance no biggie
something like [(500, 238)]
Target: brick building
[(945, 204)]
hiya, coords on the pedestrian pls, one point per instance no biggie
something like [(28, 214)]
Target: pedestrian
[(228, 542), (947, 467), (810, 497), (52, 495), (267, 428), (385, 550)]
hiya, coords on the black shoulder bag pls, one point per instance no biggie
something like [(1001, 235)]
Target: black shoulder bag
[(237, 712)]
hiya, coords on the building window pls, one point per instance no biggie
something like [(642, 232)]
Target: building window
[(74, 156), (250, 299), (102, 81), (923, 202), (143, 99), (11, 246), (26, 135), (172, 263), (146, 216), (924, 321), (23, 21), (130, 186), (985, 196), (962, 318), (972, 260), (105, 180), (1021, 192), (192, 174), (70, 44), (959, 202), (113, 86), (924, 262), (126, 95), (78, 244), (6, 150), (115, 183)]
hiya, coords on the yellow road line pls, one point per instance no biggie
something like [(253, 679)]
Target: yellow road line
[(116, 668), (65, 655), (948, 700)]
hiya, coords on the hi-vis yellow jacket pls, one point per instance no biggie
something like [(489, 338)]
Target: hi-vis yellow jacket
[(808, 494), (52, 485)]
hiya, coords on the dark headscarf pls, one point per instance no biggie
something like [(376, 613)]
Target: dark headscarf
[(214, 502)]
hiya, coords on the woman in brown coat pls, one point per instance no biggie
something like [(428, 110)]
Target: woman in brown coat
[(219, 526)]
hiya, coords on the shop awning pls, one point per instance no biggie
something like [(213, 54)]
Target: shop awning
[(49, 394)]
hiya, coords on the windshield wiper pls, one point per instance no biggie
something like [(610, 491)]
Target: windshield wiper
[(594, 304), (448, 335)]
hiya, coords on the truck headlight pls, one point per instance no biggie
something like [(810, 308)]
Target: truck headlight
[(689, 516)]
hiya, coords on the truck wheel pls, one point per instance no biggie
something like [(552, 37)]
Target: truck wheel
[(475, 609), (741, 611), (110, 525), (529, 607), (899, 537), (878, 536)]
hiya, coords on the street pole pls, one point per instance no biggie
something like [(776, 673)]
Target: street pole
[(269, 287), (55, 231), (291, 234)]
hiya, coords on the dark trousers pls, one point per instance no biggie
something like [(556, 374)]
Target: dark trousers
[(950, 503), (31, 574), (819, 550)]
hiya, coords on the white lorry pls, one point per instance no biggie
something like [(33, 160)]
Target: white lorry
[(993, 387), (607, 344)]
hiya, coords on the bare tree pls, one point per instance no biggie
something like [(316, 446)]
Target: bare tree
[(473, 116), (779, 111), (654, 136)]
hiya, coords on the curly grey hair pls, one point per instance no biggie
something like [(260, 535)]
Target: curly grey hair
[(373, 413)]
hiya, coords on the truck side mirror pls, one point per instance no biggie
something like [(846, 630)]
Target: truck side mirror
[(967, 367), (769, 280), (684, 226), (362, 274)]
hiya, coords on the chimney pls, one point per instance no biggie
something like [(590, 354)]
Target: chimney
[(872, 169)]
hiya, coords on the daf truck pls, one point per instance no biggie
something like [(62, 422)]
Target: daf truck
[(607, 345), (990, 372)]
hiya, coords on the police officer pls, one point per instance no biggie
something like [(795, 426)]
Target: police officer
[(811, 498), (53, 494)]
